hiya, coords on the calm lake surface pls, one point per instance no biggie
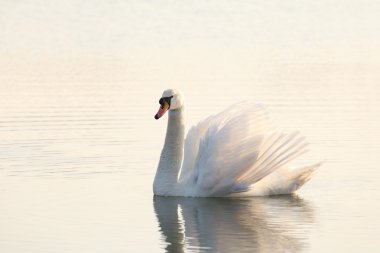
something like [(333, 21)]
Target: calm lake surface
[(79, 146), (78, 161)]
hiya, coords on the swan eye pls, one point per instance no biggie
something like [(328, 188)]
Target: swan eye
[(165, 99)]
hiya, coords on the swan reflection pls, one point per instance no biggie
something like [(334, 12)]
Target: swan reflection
[(274, 224)]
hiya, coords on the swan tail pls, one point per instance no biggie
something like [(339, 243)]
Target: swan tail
[(284, 181), (304, 174)]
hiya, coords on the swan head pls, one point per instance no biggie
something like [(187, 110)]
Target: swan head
[(171, 99)]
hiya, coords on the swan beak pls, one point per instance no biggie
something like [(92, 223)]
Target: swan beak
[(162, 110)]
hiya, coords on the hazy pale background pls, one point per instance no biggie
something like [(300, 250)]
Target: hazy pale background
[(80, 83)]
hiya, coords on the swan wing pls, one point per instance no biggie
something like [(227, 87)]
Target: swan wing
[(230, 151), (197, 135)]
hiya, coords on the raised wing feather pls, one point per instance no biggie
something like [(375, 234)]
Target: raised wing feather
[(228, 152), (223, 147)]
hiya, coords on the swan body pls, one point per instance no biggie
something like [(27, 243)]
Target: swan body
[(234, 153)]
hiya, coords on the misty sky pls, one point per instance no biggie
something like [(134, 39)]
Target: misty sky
[(54, 28)]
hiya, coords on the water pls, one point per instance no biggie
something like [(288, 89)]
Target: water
[(79, 145), (77, 164)]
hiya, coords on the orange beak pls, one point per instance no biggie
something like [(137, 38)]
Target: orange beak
[(162, 110)]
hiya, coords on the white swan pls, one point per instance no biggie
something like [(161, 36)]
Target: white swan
[(234, 153)]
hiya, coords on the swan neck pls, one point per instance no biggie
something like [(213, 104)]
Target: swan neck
[(166, 178)]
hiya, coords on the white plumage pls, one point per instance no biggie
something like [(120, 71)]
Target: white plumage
[(233, 153)]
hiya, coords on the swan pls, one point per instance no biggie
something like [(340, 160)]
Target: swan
[(235, 153)]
